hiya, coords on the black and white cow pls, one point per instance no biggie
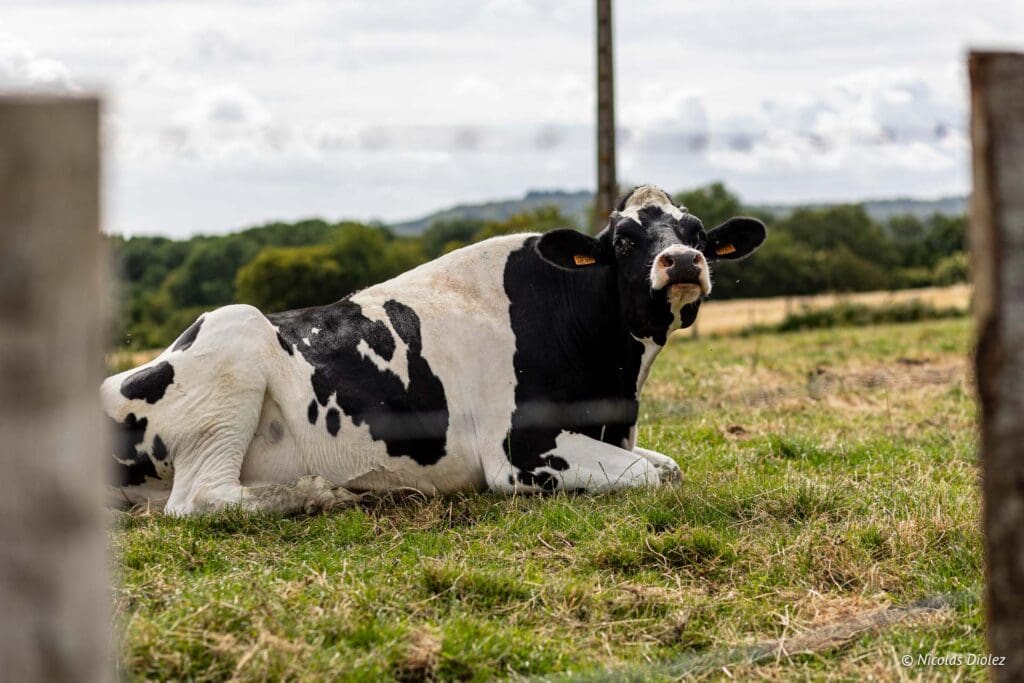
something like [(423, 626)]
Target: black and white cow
[(514, 364)]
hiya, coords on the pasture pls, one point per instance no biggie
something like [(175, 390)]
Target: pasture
[(829, 475)]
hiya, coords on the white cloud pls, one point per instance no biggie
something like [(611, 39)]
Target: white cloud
[(22, 69), (895, 119)]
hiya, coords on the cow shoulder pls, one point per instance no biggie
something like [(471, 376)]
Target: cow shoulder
[(576, 366)]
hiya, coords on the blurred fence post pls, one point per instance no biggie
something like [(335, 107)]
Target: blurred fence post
[(997, 245), (607, 185), (54, 590)]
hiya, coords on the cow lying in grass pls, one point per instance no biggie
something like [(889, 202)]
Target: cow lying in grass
[(514, 364)]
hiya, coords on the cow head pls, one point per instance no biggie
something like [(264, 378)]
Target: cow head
[(660, 255)]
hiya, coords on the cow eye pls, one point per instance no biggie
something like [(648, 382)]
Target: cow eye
[(623, 244)]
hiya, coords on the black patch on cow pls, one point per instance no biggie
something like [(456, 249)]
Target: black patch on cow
[(313, 412), (333, 421), (545, 481), (688, 315), (149, 384), (159, 448), (411, 421), (285, 345), (131, 466), (188, 337), (576, 365), (557, 463)]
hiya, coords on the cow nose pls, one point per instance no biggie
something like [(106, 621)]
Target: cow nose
[(667, 262), (682, 267), (678, 265)]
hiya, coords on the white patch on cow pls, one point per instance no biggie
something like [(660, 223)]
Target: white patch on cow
[(399, 363), (651, 351), (649, 195), (315, 330), (305, 340), (366, 352)]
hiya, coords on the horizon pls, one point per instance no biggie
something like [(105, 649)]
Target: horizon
[(223, 115), (502, 200)]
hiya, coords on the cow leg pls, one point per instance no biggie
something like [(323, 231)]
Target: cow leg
[(207, 475), (576, 463), (211, 411), (207, 479), (207, 466), (667, 468)]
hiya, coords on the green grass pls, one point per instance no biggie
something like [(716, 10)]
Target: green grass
[(827, 473)]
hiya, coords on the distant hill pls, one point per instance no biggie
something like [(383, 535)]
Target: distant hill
[(575, 205), (572, 204), (884, 209)]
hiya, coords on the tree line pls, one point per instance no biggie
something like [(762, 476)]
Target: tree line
[(164, 284)]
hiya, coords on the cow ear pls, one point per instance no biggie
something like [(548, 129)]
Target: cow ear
[(570, 249), (735, 239)]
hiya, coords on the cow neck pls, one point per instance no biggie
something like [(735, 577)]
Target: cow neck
[(569, 329)]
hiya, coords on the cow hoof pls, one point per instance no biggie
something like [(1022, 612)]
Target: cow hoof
[(669, 471), (316, 493), (342, 496)]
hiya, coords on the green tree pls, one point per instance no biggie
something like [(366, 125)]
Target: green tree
[(945, 236), (444, 232), (207, 277), (280, 278), (713, 204), (843, 225), (541, 219)]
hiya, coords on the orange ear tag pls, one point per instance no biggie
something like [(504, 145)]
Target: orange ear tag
[(583, 260), (725, 249)]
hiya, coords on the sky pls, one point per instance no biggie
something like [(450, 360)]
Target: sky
[(226, 113)]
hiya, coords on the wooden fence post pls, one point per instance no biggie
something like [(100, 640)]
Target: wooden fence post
[(54, 590), (607, 192), (997, 245)]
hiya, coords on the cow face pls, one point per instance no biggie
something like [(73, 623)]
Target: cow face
[(660, 256)]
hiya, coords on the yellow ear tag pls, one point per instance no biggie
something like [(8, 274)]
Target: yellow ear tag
[(583, 260), (725, 249)]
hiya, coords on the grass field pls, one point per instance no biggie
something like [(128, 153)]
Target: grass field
[(830, 478)]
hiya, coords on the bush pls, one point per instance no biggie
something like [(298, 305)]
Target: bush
[(280, 278), (952, 269), (847, 315)]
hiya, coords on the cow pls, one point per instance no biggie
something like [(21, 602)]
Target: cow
[(514, 364)]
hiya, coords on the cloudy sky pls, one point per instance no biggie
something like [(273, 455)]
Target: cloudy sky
[(224, 113)]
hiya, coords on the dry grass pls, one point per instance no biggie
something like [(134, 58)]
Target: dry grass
[(724, 317)]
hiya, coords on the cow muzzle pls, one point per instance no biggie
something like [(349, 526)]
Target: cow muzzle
[(684, 271)]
